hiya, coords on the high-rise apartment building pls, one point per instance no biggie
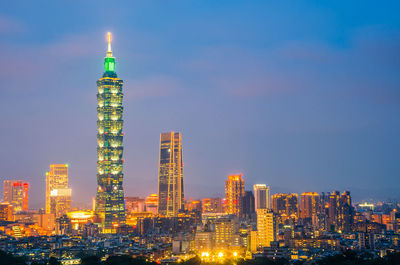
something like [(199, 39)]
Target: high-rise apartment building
[(266, 227), (309, 205), (262, 196), (204, 241), (110, 207), (247, 204), (193, 205), (333, 205), (212, 205), (16, 193), (225, 229), (134, 204), (151, 203), (234, 191), (286, 206), (6, 212), (346, 212), (170, 176), (58, 194), (340, 211)]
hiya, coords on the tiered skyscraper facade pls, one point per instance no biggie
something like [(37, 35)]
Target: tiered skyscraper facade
[(110, 207), (170, 178)]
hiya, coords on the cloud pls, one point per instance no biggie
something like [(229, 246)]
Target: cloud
[(367, 68), (260, 82), (10, 25), (75, 46), (243, 73), (31, 67)]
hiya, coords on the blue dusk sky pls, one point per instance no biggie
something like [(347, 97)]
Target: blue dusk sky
[(300, 95)]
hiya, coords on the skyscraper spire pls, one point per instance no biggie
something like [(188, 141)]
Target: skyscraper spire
[(109, 60), (109, 51)]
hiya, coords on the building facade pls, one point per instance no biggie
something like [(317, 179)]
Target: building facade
[(16, 193), (213, 205), (152, 203), (135, 204), (247, 204), (110, 206), (262, 196), (340, 212), (266, 227), (225, 230), (234, 191), (309, 205), (58, 194), (286, 206), (170, 176), (6, 212)]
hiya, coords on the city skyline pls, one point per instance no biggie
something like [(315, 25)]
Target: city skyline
[(216, 133), (250, 88)]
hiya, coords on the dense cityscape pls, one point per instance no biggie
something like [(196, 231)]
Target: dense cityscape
[(167, 227)]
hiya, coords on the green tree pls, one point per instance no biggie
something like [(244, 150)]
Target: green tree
[(127, 260), (264, 261), (38, 263), (392, 258), (120, 260), (90, 260), (54, 261), (193, 261), (8, 259)]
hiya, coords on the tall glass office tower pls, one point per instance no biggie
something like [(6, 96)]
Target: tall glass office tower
[(170, 178), (58, 194), (110, 207)]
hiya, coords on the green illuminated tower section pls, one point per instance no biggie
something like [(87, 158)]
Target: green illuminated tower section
[(110, 206)]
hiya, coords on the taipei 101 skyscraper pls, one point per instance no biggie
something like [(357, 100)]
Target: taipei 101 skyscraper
[(110, 206)]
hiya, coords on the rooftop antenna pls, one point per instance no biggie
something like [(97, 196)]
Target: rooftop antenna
[(109, 52)]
